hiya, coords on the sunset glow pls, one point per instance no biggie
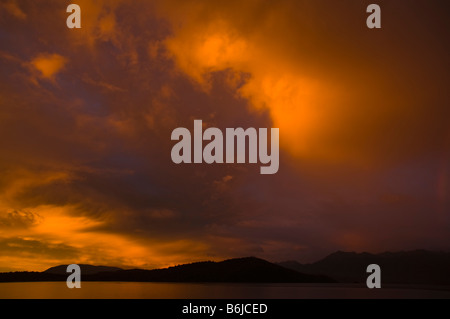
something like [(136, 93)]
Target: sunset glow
[(86, 117)]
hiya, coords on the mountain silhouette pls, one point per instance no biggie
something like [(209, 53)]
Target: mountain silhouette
[(411, 267), (249, 269), (85, 269)]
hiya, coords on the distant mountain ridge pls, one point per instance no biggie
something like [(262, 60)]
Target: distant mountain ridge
[(410, 267), (407, 267), (85, 269), (249, 269)]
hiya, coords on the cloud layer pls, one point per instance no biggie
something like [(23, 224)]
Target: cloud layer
[(86, 117)]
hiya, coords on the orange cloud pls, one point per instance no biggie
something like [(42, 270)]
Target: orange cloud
[(63, 236), (302, 104), (48, 65), (330, 98)]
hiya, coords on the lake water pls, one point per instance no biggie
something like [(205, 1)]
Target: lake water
[(149, 290)]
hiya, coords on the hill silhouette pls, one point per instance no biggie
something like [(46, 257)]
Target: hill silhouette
[(249, 269), (85, 269), (411, 267)]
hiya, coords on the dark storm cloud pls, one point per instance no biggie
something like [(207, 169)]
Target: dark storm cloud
[(18, 219), (36, 248)]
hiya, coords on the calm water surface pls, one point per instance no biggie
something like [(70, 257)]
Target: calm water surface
[(146, 290)]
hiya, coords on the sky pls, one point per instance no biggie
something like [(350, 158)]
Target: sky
[(86, 117)]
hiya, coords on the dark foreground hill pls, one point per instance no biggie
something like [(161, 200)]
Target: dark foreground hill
[(413, 267), (248, 269), (85, 269)]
